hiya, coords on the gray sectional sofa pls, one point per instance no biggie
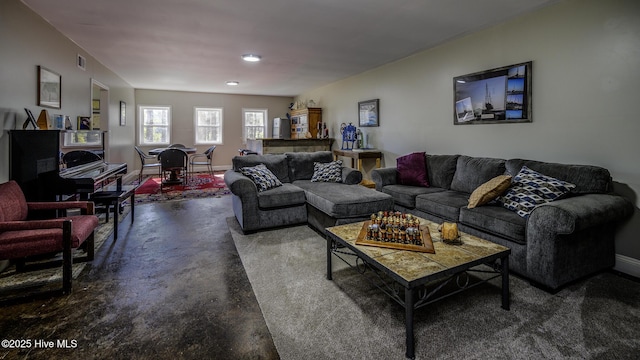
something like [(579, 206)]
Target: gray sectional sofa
[(299, 200), (557, 243)]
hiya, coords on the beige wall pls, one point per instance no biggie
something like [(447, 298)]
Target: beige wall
[(27, 41), (182, 107), (586, 71)]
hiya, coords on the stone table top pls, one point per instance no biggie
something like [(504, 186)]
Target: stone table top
[(411, 266)]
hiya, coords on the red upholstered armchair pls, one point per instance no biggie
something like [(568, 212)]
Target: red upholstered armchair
[(22, 236)]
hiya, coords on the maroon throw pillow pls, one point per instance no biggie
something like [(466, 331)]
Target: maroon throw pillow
[(412, 170)]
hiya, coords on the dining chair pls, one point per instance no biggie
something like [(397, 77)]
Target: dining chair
[(173, 166), (147, 162), (205, 158), (31, 229)]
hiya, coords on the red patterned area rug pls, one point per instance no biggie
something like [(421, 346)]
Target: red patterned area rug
[(197, 186)]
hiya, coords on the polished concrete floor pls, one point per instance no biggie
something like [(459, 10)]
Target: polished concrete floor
[(171, 287)]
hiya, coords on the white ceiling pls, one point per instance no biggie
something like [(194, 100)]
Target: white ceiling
[(195, 45)]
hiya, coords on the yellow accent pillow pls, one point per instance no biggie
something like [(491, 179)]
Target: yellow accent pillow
[(489, 190)]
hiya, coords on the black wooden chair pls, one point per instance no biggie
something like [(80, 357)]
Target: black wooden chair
[(79, 157), (173, 166)]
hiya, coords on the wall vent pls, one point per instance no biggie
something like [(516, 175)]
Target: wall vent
[(81, 62)]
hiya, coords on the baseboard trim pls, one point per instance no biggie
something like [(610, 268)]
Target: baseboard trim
[(627, 265), (221, 167), (130, 177)]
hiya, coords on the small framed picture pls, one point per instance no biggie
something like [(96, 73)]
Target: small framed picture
[(84, 123), (123, 113), (369, 113)]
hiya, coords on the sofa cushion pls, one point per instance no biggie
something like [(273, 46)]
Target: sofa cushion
[(443, 204), (471, 172), (281, 196), (412, 169), (496, 220), (261, 176), (440, 170), (327, 172), (588, 179), (340, 200), (489, 191), (301, 163), (530, 189), (406, 195), (277, 164)]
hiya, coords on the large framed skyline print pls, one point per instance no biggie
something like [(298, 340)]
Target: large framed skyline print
[(496, 96)]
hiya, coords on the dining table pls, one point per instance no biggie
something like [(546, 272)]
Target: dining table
[(157, 151)]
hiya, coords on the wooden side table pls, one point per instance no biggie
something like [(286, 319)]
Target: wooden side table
[(368, 183), (359, 155)]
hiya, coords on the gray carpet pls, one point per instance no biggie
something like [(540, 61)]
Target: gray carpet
[(310, 317)]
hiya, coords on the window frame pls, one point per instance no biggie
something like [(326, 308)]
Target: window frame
[(196, 126), (265, 126), (141, 126)]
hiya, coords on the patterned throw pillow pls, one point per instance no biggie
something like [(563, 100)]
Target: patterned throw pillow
[(489, 190), (261, 176), (530, 189), (327, 172)]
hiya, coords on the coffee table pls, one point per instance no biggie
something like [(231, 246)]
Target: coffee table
[(424, 277)]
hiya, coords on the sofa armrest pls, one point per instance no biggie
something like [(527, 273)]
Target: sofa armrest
[(570, 238), (580, 212), (383, 177), (239, 184), (351, 176)]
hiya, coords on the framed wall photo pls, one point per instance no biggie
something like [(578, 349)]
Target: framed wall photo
[(84, 123), (123, 113), (95, 121), (496, 96), (369, 113), (49, 88)]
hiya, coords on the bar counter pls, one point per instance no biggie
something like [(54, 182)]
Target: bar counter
[(281, 146)]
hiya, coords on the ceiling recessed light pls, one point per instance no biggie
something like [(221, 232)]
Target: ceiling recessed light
[(251, 57), (233, 83)]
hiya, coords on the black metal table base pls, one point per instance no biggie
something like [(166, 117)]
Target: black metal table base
[(417, 297)]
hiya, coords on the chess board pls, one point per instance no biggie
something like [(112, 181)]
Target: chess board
[(421, 242)]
